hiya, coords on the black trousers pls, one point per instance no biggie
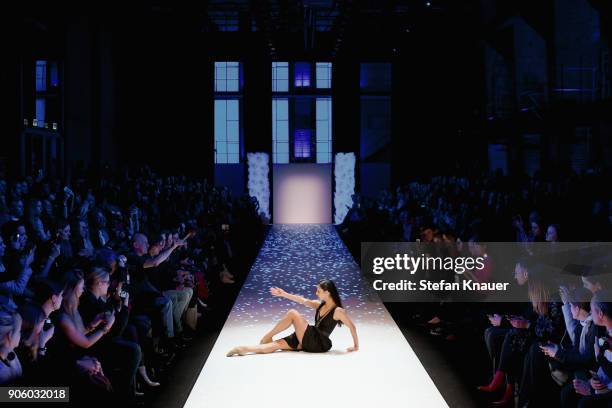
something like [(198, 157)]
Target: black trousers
[(494, 338), (537, 386), (120, 360), (511, 358), (140, 331)]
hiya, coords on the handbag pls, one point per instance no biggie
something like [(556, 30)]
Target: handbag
[(560, 376)]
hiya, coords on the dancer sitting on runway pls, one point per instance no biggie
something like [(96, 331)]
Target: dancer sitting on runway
[(314, 339)]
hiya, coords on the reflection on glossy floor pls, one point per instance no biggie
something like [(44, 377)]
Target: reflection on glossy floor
[(385, 371)]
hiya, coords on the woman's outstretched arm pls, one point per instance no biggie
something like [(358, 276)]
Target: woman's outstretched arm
[(295, 298), (340, 314)]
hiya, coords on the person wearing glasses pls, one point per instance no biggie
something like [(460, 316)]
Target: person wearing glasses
[(96, 305)]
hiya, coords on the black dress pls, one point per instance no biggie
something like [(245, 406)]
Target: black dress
[(316, 338)]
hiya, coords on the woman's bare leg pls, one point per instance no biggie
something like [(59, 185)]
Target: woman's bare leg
[(262, 348), (282, 325), (292, 317)]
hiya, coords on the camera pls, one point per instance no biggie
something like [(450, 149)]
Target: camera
[(123, 294), (602, 342)]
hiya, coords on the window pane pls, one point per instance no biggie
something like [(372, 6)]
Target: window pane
[(233, 72), (323, 71), (233, 111), (301, 143), (232, 85), (41, 76), (280, 109), (302, 74), (220, 86), (322, 109), (221, 72), (233, 133), (324, 130), (221, 148), (280, 130), (280, 76), (282, 147), (227, 76), (227, 131), (40, 110)]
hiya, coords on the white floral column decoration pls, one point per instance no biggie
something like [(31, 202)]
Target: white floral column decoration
[(259, 186), (344, 172)]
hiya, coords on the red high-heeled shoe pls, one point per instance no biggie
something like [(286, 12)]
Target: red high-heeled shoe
[(498, 380), (507, 397)]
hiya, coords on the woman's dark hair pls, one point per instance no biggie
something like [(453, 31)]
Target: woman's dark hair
[(45, 288), (330, 286), (581, 298)]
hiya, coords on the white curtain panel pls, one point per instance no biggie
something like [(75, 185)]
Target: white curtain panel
[(258, 184), (344, 172)]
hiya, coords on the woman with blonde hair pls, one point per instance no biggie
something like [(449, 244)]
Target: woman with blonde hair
[(521, 344), (119, 351), (10, 334)]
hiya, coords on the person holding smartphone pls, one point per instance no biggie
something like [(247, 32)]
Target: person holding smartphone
[(36, 331), (596, 392), (521, 344), (502, 320), (13, 283), (96, 307)]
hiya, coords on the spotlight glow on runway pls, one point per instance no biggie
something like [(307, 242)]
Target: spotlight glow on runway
[(385, 372)]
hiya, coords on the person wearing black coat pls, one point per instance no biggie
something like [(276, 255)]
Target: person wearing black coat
[(120, 353)]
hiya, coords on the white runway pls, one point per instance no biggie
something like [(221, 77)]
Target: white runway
[(385, 372)]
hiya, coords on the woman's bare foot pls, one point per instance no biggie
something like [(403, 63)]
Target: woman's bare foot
[(235, 350)]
